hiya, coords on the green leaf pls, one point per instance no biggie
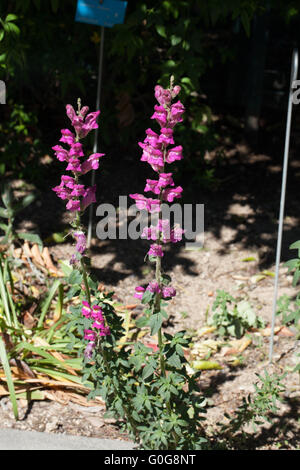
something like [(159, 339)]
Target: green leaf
[(48, 301), (65, 267), (31, 237), (174, 361), (147, 297), (26, 201), (4, 299), (245, 311), (161, 30), (296, 278), (155, 322), (295, 245), (10, 383), (75, 277), (147, 371), (175, 40), (10, 17), (141, 322), (4, 213), (3, 227), (165, 279), (11, 28), (7, 197), (245, 22)]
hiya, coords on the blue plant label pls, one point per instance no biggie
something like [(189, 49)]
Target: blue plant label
[(101, 12)]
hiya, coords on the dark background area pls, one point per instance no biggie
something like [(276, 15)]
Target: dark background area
[(232, 60)]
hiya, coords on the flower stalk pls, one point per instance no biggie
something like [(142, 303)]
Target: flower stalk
[(156, 153)]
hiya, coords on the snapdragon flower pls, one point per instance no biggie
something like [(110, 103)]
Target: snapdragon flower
[(98, 327), (157, 154), (78, 196), (82, 125), (155, 250), (168, 292), (143, 203)]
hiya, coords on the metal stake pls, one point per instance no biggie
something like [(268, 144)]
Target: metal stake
[(294, 71), (95, 147)]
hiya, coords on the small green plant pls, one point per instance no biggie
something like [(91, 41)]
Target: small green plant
[(232, 317), (9, 39), (9, 212), (27, 346), (294, 264), (289, 315), (255, 408)]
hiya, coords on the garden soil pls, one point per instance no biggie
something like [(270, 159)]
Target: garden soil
[(238, 256)]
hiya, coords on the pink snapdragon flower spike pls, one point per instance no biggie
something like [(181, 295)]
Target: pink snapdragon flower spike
[(162, 231), (156, 151), (139, 292), (177, 111), (99, 328), (166, 136), (92, 163), (155, 250), (165, 179), (89, 335), (176, 234), (152, 138), (67, 137), (82, 125), (152, 155), (170, 194), (174, 154), (168, 292), (86, 309), (152, 185), (88, 352), (61, 154), (89, 197), (77, 196), (148, 204), (154, 287), (73, 205), (163, 96), (160, 114), (81, 242)]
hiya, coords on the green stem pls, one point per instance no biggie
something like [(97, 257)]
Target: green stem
[(85, 280), (117, 392), (158, 299), (83, 266), (158, 295)]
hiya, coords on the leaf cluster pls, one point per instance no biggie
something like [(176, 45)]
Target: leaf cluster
[(232, 317), (9, 212), (159, 411), (255, 408)]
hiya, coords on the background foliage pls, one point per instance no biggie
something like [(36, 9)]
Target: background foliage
[(47, 59)]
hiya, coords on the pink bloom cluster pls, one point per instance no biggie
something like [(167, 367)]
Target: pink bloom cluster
[(80, 245), (78, 196), (83, 123), (159, 149), (98, 326), (166, 292), (68, 189), (163, 232)]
